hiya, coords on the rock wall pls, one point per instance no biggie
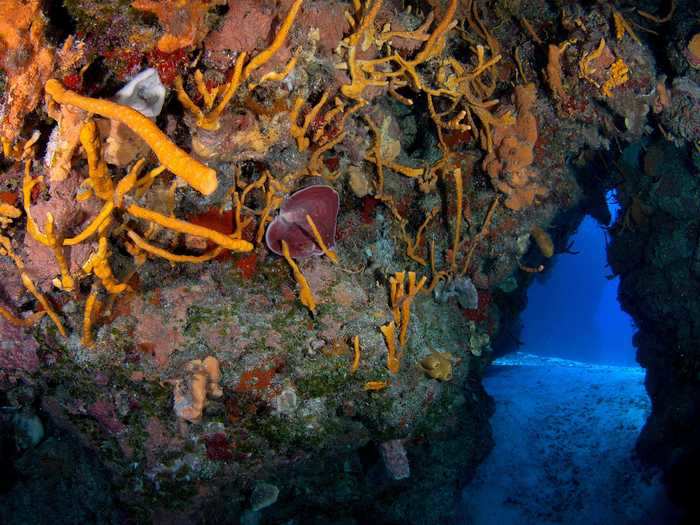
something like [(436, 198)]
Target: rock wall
[(420, 163)]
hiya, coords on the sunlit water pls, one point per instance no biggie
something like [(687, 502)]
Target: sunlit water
[(569, 408), (572, 309)]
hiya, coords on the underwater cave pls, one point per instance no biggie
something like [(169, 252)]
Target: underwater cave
[(569, 403), (353, 262)]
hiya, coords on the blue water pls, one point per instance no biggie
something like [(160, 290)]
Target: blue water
[(564, 436), (572, 309)]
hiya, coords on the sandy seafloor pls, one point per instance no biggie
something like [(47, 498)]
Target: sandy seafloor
[(564, 453)]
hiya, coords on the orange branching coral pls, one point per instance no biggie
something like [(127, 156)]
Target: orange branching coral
[(593, 64), (458, 217), (237, 245), (261, 59), (28, 184), (26, 58), (66, 282), (319, 240), (619, 75), (196, 174), (6, 249), (553, 75), (393, 358), (401, 300), (356, 354), (543, 241), (144, 245), (509, 165), (375, 386), (299, 132), (305, 294), (184, 21), (20, 321), (622, 27), (602, 70), (98, 264), (413, 245), (92, 308), (473, 243), (100, 181), (7, 213), (209, 120)]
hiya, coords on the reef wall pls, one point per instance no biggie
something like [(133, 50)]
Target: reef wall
[(254, 254)]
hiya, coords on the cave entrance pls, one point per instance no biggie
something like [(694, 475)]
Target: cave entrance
[(572, 310), (569, 405)]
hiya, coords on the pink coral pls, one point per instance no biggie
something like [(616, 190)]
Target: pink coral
[(17, 349), (70, 217), (329, 19), (246, 27)]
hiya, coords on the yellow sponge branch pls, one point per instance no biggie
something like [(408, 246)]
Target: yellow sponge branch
[(97, 168), (319, 240), (28, 184), (17, 321), (393, 358), (305, 294), (265, 55), (172, 257), (29, 285), (94, 225), (200, 177), (236, 245)]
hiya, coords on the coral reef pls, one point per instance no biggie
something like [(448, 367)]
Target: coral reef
[(509, 163), (184, 23), (271, 244), (27, 60)]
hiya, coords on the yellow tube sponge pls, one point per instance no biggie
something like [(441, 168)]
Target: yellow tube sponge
[(66, 282), (236, 245), (393, 358), (19, 321), (265, 55), (200, 177), (29, 285), (305, 293), (100, 180), (357, 354), (28, 184), (172, 257), (92, 308)]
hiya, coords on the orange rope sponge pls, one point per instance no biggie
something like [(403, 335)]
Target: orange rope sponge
[(236, 245), (19, 321), (196, 174)]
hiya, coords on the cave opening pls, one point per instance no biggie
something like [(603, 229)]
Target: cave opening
[(570, 400), (572, 308)]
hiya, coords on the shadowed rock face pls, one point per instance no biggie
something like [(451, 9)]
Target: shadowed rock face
[(657, 257)]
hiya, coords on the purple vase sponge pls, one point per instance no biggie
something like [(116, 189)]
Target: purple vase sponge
[(319, 201)]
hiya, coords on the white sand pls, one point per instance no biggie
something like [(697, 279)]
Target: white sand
[(564, 454)]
